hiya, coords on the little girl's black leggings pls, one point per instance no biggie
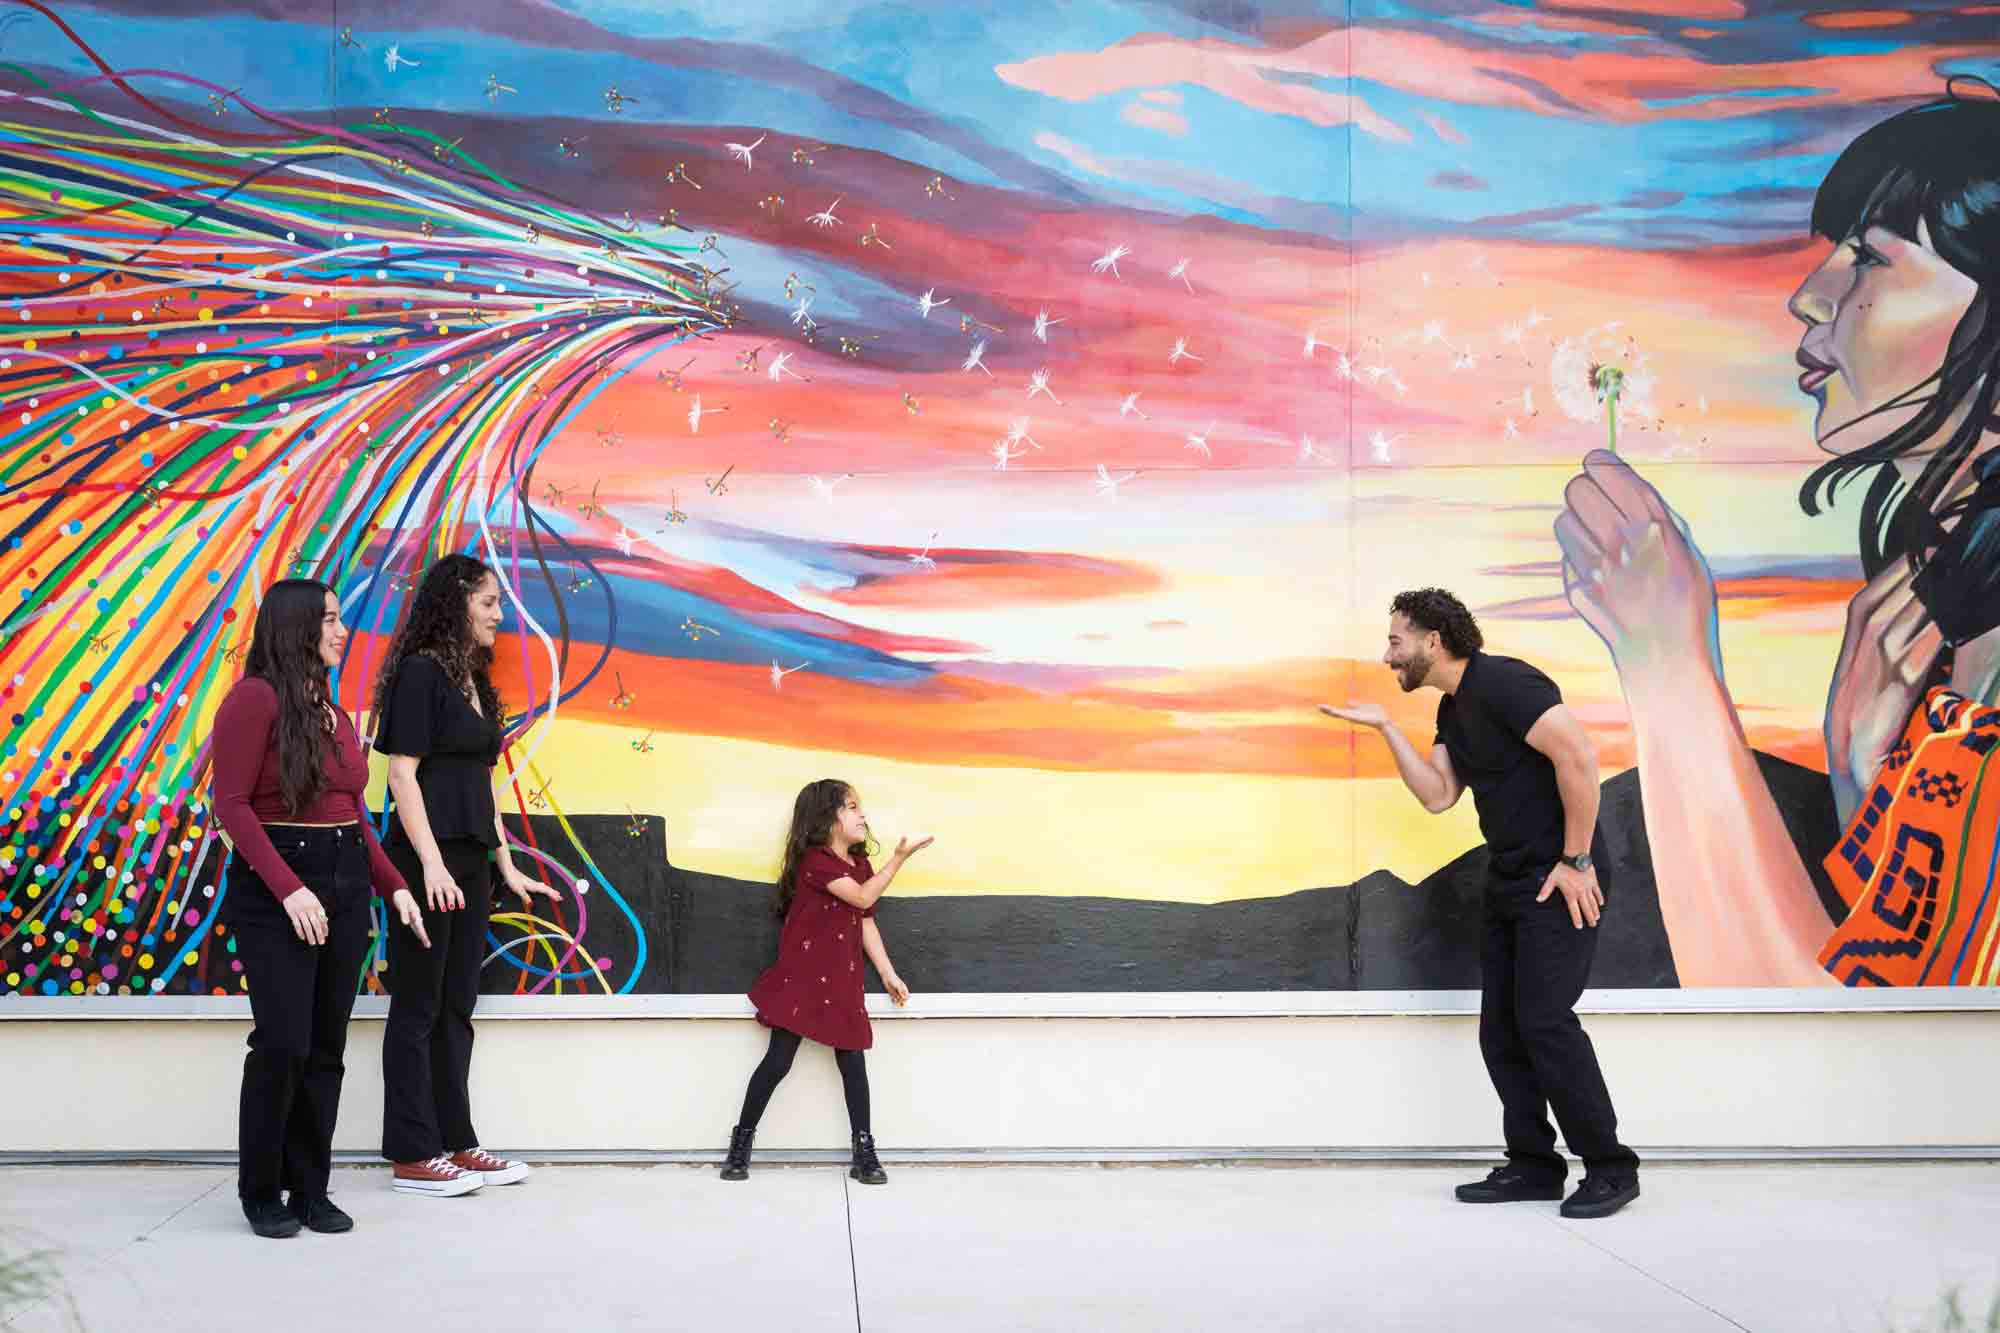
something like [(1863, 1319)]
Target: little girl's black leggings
[(777, 1063)]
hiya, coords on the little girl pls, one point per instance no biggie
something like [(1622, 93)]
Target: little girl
[(826, 893)]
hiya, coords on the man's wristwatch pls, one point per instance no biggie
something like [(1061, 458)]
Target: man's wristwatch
[(1581, 861)]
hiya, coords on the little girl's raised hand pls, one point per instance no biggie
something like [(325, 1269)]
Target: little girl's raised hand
[(905, 849)]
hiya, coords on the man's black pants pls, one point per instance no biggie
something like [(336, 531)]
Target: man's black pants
[(1533, 964)]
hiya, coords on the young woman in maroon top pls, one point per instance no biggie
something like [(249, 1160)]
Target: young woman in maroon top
[(438, 719), (288, 777), (826, 892)]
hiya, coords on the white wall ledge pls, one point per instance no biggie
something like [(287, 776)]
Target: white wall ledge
[(1014, 1073), (1080, 1004)]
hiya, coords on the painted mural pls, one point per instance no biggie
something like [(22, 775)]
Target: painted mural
[(1026, 413)]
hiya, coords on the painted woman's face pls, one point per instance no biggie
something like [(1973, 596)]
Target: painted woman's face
[(1879, 314)]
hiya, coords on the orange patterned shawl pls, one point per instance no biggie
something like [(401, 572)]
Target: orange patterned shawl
[(1916, 865)]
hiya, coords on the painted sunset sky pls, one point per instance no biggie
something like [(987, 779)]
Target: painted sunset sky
[(1104, 368)]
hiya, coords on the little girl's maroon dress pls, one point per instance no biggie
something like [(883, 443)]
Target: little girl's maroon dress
[(814, 989)]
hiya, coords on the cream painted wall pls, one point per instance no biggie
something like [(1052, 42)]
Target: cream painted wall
[(1681, 1080)]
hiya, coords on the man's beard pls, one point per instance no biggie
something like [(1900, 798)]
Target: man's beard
[(1411, 674)]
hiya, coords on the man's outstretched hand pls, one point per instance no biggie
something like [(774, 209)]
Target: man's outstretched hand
[(1362, 715)]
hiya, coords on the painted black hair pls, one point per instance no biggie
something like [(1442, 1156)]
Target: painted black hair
[(1939, 165)]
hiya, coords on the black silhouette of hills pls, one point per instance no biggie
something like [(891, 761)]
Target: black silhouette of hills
[(712, 934)]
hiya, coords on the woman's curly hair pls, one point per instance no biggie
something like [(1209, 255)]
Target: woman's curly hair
[(439, 626), (1435, 609)]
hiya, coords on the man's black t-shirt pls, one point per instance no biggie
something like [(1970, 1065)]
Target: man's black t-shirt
[(1482, 726)]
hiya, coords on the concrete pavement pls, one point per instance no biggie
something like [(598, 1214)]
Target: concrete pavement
[(1709, 1248)]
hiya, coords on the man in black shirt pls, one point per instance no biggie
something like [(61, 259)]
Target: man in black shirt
[(1503, 731)]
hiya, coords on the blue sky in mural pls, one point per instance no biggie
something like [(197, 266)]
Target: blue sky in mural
[(1650, 149)]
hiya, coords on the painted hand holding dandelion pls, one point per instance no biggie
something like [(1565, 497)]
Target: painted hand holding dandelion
[(1632, 571)]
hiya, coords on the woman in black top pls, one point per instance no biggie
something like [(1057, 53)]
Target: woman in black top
[(438, 720)]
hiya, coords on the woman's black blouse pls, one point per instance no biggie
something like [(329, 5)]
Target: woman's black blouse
[(428, 719)]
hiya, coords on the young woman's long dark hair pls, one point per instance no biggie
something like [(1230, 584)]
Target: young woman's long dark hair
[(813, 813), (439, 625), (284, 650), (1938, 164)]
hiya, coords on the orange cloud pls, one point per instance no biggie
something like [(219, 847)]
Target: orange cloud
[(1861, 18), (1747, 599), (1626, 86), (1444, 129), (1001, 579), (1260, 719), (1255, 76), (1153, 118), (1629, 86), (1668, 9), (1557, 22)]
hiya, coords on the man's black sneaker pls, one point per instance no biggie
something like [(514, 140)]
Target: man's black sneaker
[(1510, 1184), (1601, 1196), (271, 1219), (321, 1215)]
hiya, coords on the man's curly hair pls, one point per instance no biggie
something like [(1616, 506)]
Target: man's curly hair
[(1436, 609), (440, 627)]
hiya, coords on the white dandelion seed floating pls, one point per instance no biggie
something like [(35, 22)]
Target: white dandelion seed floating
[(697, 412), (1108, 261)]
